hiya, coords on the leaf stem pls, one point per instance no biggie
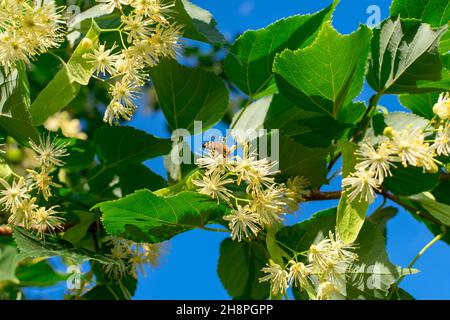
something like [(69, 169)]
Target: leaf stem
[(373, 103), (421, 252)]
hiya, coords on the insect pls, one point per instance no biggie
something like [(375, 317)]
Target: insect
[(219, 147)]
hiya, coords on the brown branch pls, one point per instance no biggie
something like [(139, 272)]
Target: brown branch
[(325, 195), (422, 214)]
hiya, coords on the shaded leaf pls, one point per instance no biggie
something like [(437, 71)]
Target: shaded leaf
[(40, 274), (298, 160), (121, 145), (31, 246), (421, 104), (410, 180), (187, 95), (239, 269)]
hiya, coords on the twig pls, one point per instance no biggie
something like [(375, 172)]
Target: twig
[(326, 195)]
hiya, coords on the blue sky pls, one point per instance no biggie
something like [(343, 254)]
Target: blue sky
[(188, 269)]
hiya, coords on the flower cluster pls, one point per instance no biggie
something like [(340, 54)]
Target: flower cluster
[(410, 146), (20, 197), (146, 37), (324, 275), (27, 30), (257, 200), (70, 128), (131, 257)]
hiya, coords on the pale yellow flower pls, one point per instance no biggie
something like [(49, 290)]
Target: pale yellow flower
[(278, 278), (298, 274), (442, 107), (361, 186), (328, 291), (47, 220), (102, 59), (48, 151), (374, 160), (214, 186), (12, 196), (243, 223), (442, 141), (42, 181)]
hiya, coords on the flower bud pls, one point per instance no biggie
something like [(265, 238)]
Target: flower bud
[(388, 132), (86, 44)]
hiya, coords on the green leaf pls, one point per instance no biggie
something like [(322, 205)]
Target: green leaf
[(310, 129), (381, 216), (40, 274), (76, 233), (372, 274), (276, 253), (145, 217), (64, 87), (434, 12), (251, 119), (405, 54), (350, 215), (239, 269), (187, 95), (444, 46), (438, 210), (410, 181), (249, 61), (401, 294), (408, 8), (122, 145), (326, 75), (8, 264), (421, 104), (31, 246), (124, 179), (298, 160), (21, 130), (198, 24), (122, 289), (15, 118), (437, 13), (81, 155), (201, 26)]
